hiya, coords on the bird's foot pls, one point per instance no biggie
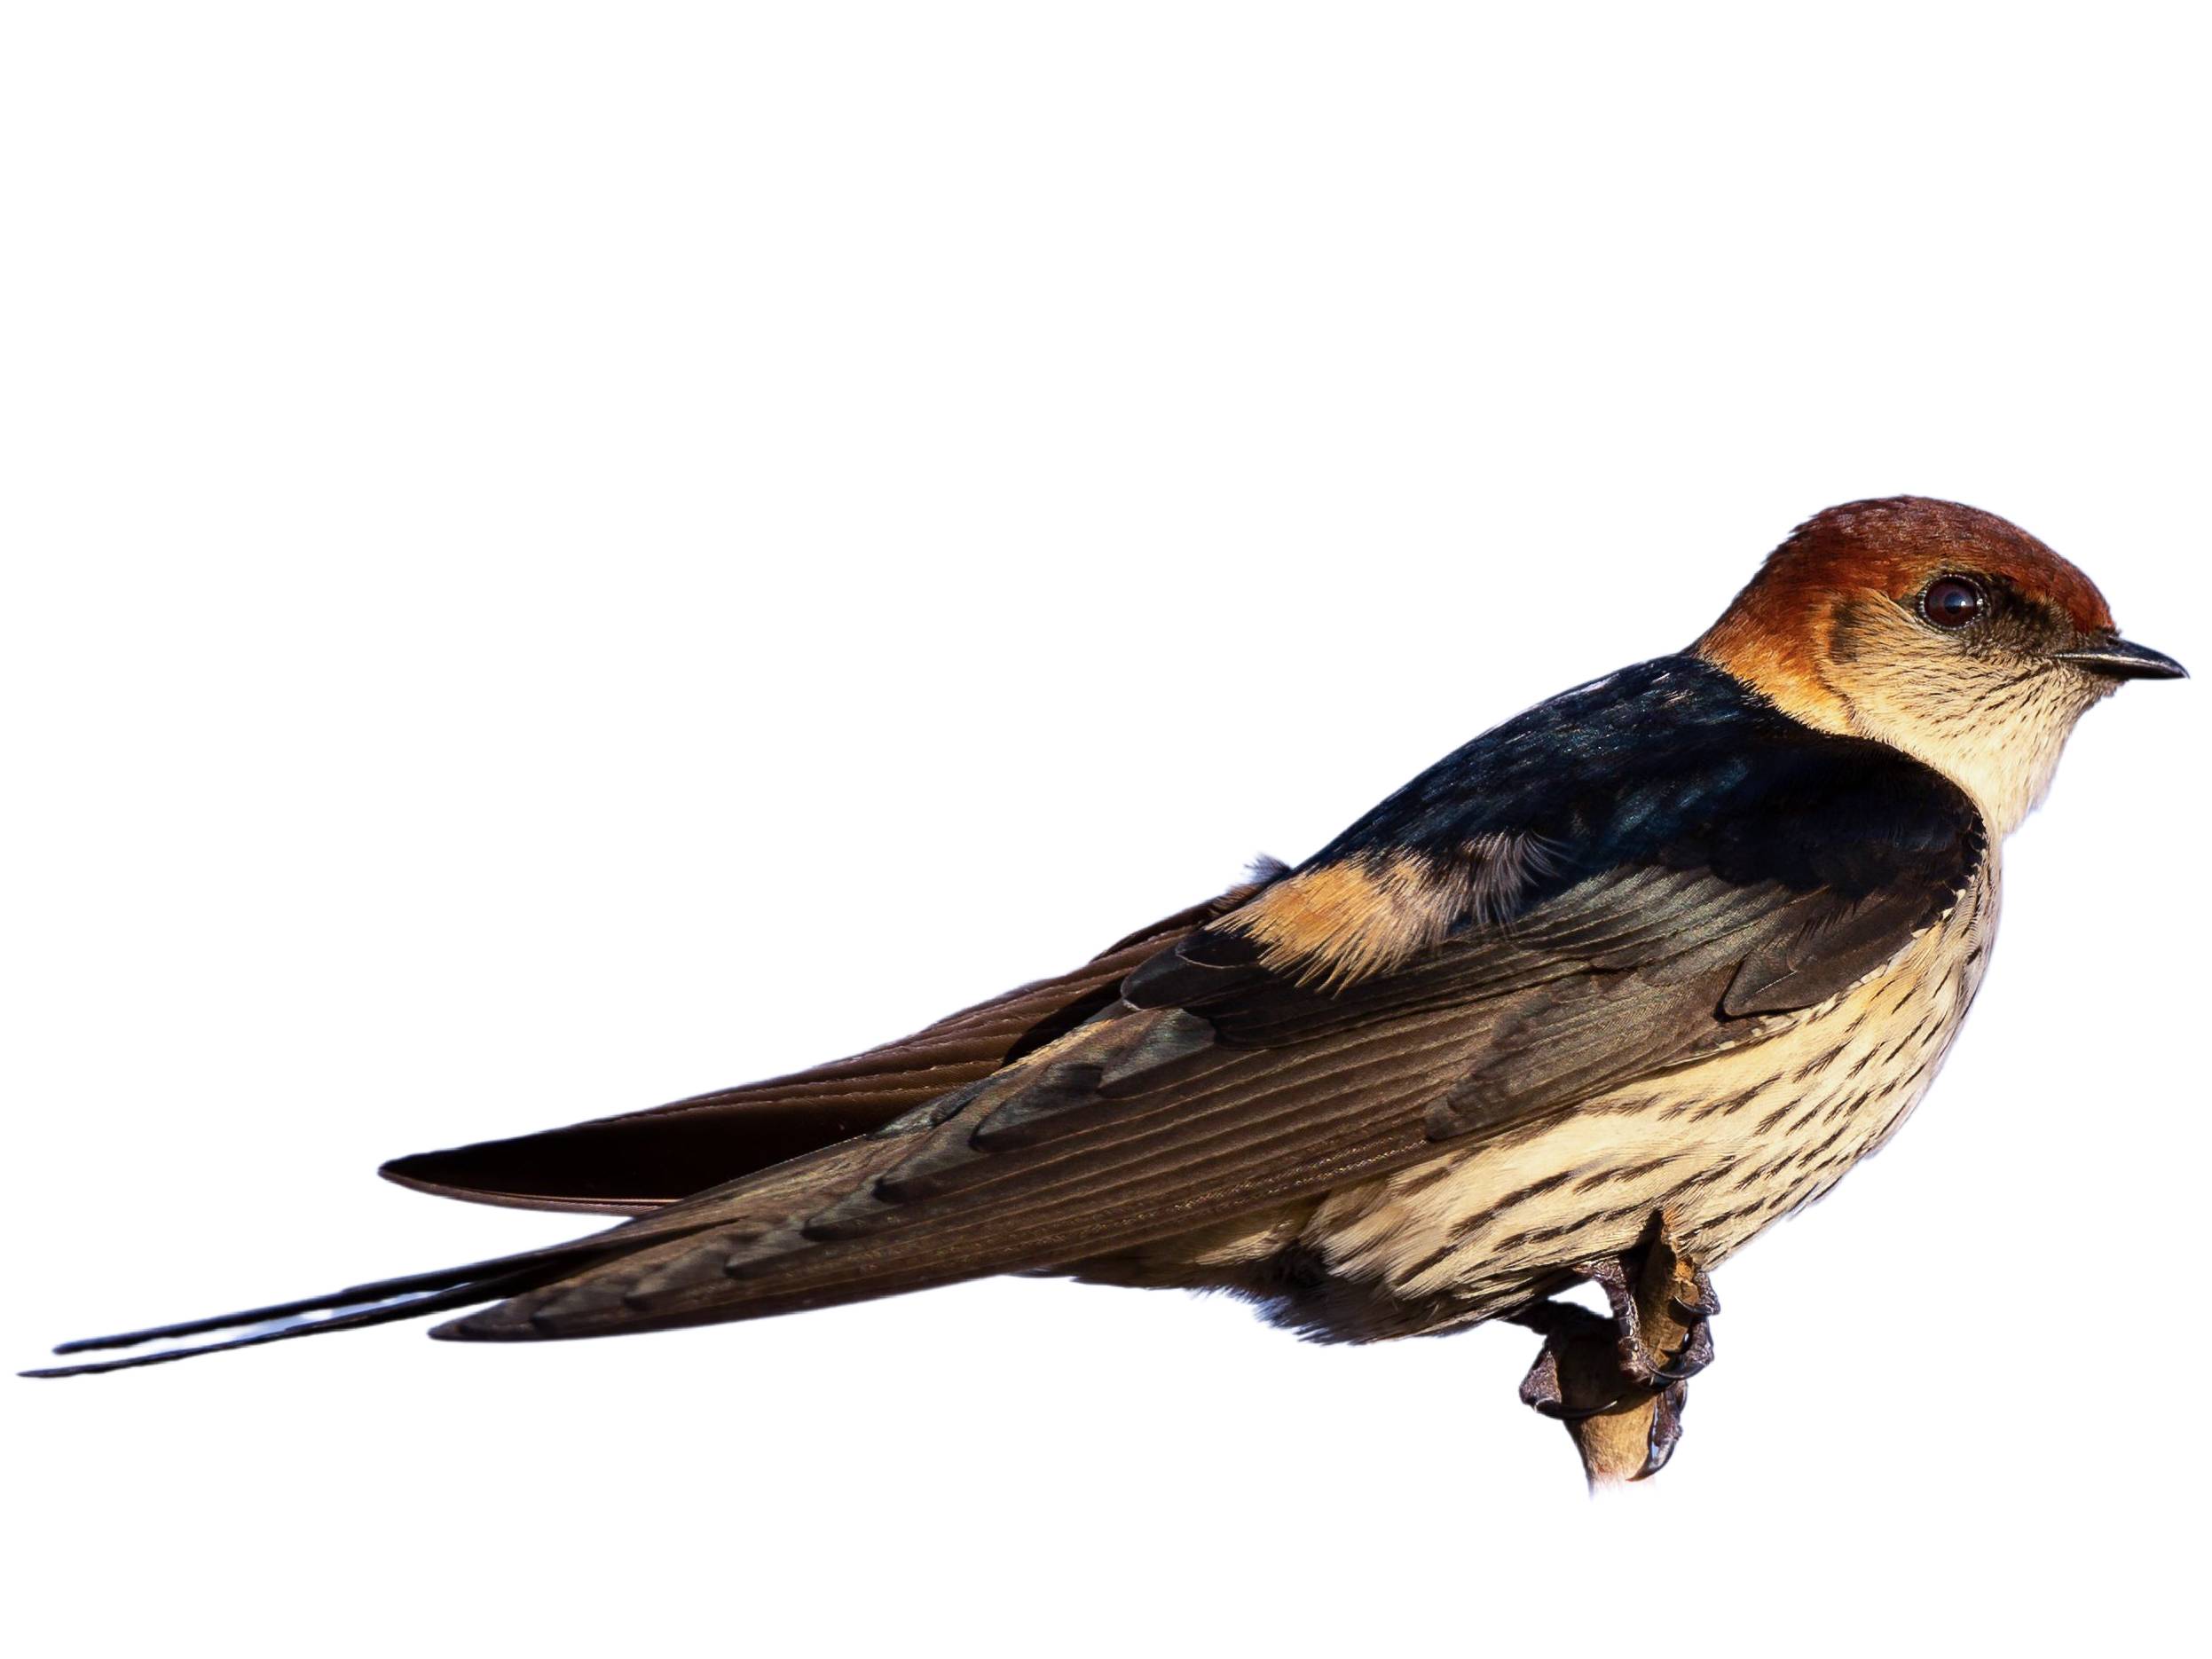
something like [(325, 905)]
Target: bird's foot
[(1576, 1375), (1620, 1384), (1689, 1304)]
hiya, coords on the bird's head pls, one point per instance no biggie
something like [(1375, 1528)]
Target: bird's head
[(1937, 628)]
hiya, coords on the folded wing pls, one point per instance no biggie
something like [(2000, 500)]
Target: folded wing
[(1698, 872)]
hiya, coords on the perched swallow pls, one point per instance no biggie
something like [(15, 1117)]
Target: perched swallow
[(1622, 981)]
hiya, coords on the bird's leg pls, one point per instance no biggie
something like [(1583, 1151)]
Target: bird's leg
[(1620, 1384)]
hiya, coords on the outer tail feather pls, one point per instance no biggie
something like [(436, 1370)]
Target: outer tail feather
[(380, 1302), (281, 1327)]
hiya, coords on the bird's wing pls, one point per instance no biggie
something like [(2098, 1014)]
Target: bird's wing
[(641, 1161), (1626, 878)]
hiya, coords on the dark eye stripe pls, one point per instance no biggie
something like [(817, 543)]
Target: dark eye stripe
[(1951, 602)]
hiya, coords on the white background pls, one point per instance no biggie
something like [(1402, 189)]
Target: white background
[(559, 557)]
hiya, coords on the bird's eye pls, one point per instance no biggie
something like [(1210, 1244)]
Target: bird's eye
[(1951, 601)]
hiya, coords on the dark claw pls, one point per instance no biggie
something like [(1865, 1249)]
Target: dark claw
[(1696, 1355), (1572, 1414), (1667, 1431)]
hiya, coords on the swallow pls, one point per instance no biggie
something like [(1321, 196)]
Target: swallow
[(1597, 998)]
